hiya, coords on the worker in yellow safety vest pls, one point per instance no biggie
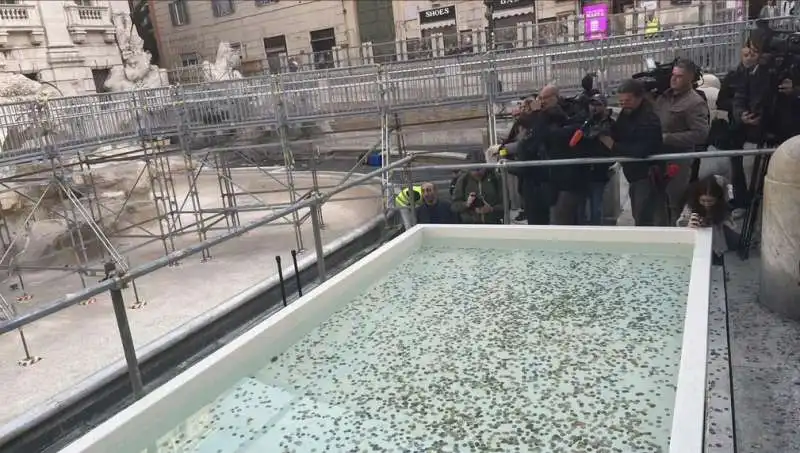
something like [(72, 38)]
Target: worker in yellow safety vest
[(403, 201), (652, 27)]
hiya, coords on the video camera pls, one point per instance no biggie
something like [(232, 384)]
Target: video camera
[(780, 49), (656, 78)]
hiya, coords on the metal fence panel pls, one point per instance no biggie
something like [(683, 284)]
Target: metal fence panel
[(27, 129)]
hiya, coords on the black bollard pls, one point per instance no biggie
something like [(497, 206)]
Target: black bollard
[(280, 277), (296, 274)]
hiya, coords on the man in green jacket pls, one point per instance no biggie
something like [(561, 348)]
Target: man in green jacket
[(478, 196)]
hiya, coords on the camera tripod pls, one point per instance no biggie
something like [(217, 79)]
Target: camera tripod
[(756, 196)]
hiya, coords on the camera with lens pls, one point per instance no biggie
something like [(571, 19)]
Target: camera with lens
[(780, 49), (779, 60), (656, 78)]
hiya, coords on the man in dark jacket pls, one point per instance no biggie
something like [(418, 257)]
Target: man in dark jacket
[(734, 136), (570, 182), (597, 175), (768, 102), (637, 133), (433, 210), (548, 125)]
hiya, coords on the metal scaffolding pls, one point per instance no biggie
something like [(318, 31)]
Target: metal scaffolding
[(211, 128)]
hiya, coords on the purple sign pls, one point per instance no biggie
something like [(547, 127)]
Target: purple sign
[(595, 20)]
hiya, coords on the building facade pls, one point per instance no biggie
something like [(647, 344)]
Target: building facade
[(278, 35), (264, 32), (69, 44)]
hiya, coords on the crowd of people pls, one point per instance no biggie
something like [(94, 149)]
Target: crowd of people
[(662, 193)]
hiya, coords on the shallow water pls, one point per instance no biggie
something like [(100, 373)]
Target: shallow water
[(472, 349)]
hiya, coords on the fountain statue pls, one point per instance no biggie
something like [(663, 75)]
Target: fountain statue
[(135, 72), (224, 67), (27, 120), (20, 96)]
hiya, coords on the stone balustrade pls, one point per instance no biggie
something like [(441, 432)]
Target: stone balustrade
[(20, 18), (82, 19)]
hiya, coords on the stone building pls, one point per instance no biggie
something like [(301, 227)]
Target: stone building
[(70, 44)]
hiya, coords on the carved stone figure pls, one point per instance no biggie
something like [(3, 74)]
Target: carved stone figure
[(21, 102), (136, 72), (224, 67)]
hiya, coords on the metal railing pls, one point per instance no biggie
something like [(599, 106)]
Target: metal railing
[(566, 29), (118, 280), (31, 131)]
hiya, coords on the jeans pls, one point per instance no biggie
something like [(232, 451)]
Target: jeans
[(648, 203), (595, 201), (567, 210), (537, 200)]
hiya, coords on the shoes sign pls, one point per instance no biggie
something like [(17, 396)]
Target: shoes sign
[(437, 14)]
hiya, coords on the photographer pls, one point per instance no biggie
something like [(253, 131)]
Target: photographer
[(478, 196), (637, 133), (545, 137), (767, 104), (685, 124), (507, 149), (586, 144), (733, 135)]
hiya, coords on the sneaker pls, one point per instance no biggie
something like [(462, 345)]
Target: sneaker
[(520, 217)]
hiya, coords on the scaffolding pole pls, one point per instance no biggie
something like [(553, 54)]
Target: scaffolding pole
[(288, 155)]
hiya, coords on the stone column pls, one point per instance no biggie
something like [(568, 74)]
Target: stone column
[(780, 235)]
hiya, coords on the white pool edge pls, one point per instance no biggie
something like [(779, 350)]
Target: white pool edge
[(129, 425), (688, 416)]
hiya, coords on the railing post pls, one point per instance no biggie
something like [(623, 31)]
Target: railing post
[(412, 205), (492, 87), (506, 200), (316, 207), (128, 348)]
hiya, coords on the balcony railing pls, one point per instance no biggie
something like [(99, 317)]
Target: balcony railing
[(88, 17), (19, 17), (82, 19)]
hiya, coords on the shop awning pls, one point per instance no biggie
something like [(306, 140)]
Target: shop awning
[(513, 12), (440, 24)]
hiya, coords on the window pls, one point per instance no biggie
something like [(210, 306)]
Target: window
[(563, 21), (179, 12), (265, 2), (83, 2), (9, 2), (100, 76), (275, 47), (322, 44), (222, 7), (190, 59), (236, 47)]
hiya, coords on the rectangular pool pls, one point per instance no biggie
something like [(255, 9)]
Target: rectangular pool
[(459, 338)]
